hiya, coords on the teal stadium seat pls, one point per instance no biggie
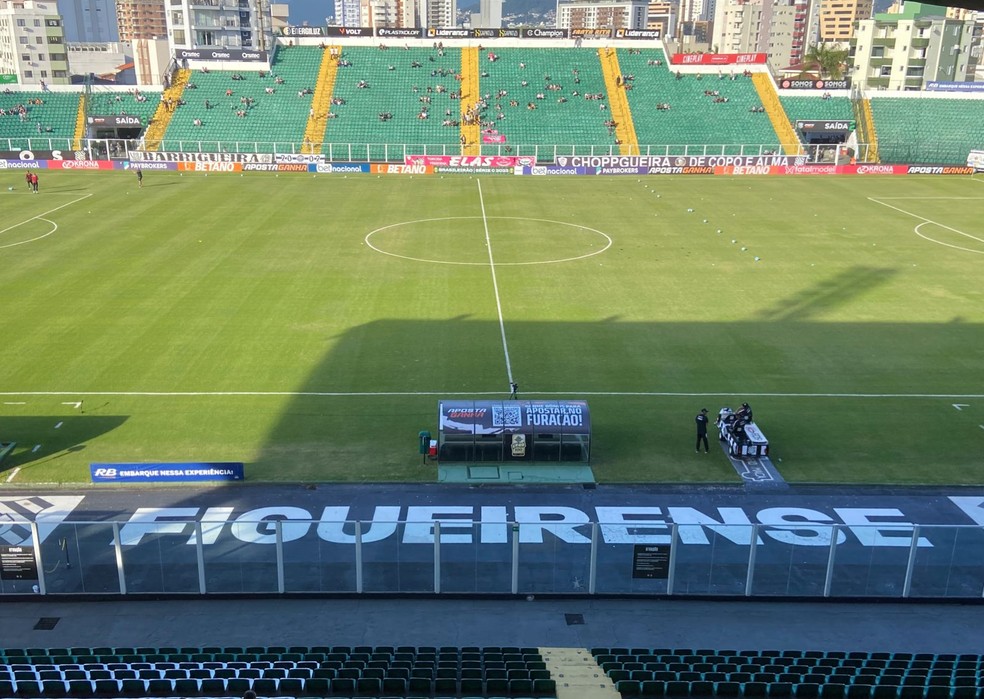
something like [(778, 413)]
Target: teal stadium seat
[(694, 119), (927, 129)]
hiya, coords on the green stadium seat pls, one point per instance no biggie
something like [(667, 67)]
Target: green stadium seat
[(628, 688), (727, 689), (807, 690)]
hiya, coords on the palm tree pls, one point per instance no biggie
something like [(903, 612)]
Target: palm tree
[(827, 60)]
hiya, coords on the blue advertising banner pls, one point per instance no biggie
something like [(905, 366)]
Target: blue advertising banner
[(338, 167), (166, 472), (942, 86)]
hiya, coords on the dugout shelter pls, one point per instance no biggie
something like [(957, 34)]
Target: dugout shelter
[(514, 430)]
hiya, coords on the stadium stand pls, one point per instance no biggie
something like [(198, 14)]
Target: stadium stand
[(924, 130), (27, 115), (137, 103), (162, 114), (685, 672), (563, 103), (318, 671), (399, 85), (242, 109), (693, 118)]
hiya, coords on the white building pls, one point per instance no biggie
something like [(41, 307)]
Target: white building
[(32, 42), (348, 13), (227, 24), (905, 50), (599, 14), (89, 21), (489, 15)]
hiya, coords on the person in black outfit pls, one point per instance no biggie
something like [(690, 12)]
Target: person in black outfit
[(701, 421)]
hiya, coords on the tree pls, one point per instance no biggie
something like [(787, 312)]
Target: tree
[(828, 60)]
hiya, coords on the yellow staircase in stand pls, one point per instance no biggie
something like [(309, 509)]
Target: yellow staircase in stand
[(162, 117), (777, 115), (79, 124), (869, 129), (618, 103), (470, 95), (314, 132)]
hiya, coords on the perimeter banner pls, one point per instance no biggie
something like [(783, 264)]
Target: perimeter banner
[(507, 417), (25, 154), (717, 59), (470, 160), (673, 161), (348, 31), (182, 157), (166, 472), (80, 165), (790, 84)]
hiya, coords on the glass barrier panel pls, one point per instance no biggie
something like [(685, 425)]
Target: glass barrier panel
[(323, 561), (791, 560), (396, 557), (476, 557), (243, 558), (554, 557), (159, 557), (711, 562), (952, 566), (871, 561), (77, 558), (617, 569)]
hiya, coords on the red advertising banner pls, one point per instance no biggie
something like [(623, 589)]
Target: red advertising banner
[(398, 169), (210, 167), (717, 59), (471, 160), (493, 138), (80, 164)]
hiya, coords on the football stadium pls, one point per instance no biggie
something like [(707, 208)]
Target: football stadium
[(427, 365)]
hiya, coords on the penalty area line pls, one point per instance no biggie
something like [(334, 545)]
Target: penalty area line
[(384, 394)]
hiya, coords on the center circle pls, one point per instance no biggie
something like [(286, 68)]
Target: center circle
[(461, 240)]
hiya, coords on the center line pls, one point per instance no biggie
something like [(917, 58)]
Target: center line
[(495, 284)]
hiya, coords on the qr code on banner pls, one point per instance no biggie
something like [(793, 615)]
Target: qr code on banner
[(506, 416)]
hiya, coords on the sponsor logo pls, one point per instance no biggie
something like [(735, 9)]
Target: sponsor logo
[(544, 33), (24, 164), (259, 167), (342, 167), (803, 170), (148, 166), (105, 472), (539, 170), (939, 170), (471, 160), (349, 31), (397, 32), (597, 32), (216, 55), (42, 155), (637, 33), (80, 164), (292, 167), (402, 169), (875, 170), (303, 31), (447, 33)]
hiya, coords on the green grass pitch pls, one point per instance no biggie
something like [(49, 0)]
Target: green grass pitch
[(249, 319)]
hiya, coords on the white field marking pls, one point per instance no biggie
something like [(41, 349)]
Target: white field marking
[(907, 198), (54, 227), (608, 244), (36, 447), (59, 425), (12, 474), (935, 223), (76, 405), (948, 245), (45, 213), (495, 284), (10, 402), (960, 406), (385, 394)]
